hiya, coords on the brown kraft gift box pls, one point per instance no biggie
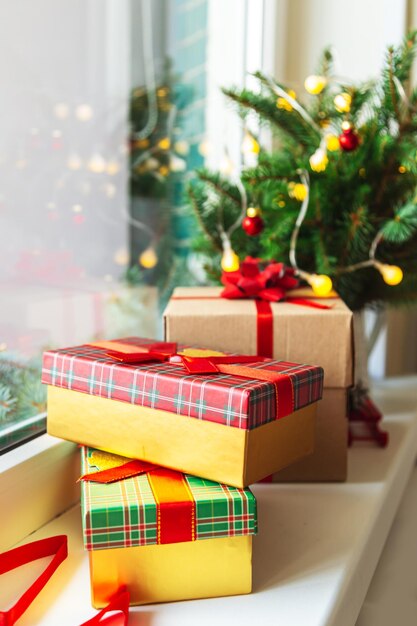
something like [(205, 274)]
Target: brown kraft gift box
[(303, 334)]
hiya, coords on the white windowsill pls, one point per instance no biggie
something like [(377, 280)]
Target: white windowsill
[(37, 482), (318, 542)]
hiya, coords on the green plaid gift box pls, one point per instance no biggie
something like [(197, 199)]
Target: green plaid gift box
[(124, 514)]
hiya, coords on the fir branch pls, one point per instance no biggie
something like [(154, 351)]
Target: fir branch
[(222, 191), (197, 212), (391, 83)]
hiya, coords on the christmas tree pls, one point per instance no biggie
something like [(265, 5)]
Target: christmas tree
[(335, 196)]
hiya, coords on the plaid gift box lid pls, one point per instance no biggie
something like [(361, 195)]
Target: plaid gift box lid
[(228, 399), (130, 512)]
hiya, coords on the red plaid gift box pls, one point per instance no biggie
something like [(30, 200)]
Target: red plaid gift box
[(139, 409)]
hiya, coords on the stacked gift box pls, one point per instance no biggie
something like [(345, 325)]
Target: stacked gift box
[(300, 328), (172, 436)]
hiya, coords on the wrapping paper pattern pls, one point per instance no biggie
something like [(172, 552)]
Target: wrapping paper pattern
[(124, 514), (224, 399)]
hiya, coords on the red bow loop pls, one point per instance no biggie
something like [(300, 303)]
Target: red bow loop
[(270, 283)]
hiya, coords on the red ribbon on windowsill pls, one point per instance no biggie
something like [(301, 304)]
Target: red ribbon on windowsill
[(56, 547)]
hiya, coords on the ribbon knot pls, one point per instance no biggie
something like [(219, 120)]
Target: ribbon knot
[(163, 351), (251, 281)]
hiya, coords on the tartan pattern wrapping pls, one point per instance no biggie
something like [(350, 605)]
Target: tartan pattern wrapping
[(123, 514), (224, 399)]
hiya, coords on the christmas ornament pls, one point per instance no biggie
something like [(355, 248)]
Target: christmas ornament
[(282, 103), (230, 261), (253, 223), (315, 84), (148, 259), (342, 102), (348, 139), (319, 160), (320, 283), (297, 191), (391, 274), (332, 143)]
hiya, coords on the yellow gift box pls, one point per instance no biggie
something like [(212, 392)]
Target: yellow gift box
[(133, 541), (249, 441)]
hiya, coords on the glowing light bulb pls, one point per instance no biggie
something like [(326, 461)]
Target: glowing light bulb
[(252, 211), (148, 259), (84, 112), (315, 84), (110, 190), (250, 145), (391, 274), (230, 261), (282, 103), (164, 143), (61, 110), (319, 160), (121, 257), (297, 191), (77, 208), (342, 102), (177, 165), (97, 164), (74, 162), (182, 147), (226, 166), (112, 168), (204, 148), (332, 143), (320, 283)]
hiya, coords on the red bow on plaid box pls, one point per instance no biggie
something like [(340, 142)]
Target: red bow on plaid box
[(166, 351)]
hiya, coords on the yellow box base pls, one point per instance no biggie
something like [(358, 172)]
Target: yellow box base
[(224, 454), (179, 571)]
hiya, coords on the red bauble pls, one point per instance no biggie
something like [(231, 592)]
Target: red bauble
[(253, 225), (348, 140)]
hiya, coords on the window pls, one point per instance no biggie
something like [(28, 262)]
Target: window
[(107, 107)]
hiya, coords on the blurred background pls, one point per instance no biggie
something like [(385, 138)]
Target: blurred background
[(107, 108)]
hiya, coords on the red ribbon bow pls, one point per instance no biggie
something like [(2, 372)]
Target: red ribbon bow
[(167, 351), (250, 281)]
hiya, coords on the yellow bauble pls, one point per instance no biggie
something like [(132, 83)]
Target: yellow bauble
[(230, 261), (315, 84), (332, 143), (282, 103), (391, 274), (321, 284), (319, 160), (148, 258), (342, 102)]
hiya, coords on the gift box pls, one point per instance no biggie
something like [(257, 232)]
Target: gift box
[(163, 534), (329, 459), (303, 329), (233, 419)]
